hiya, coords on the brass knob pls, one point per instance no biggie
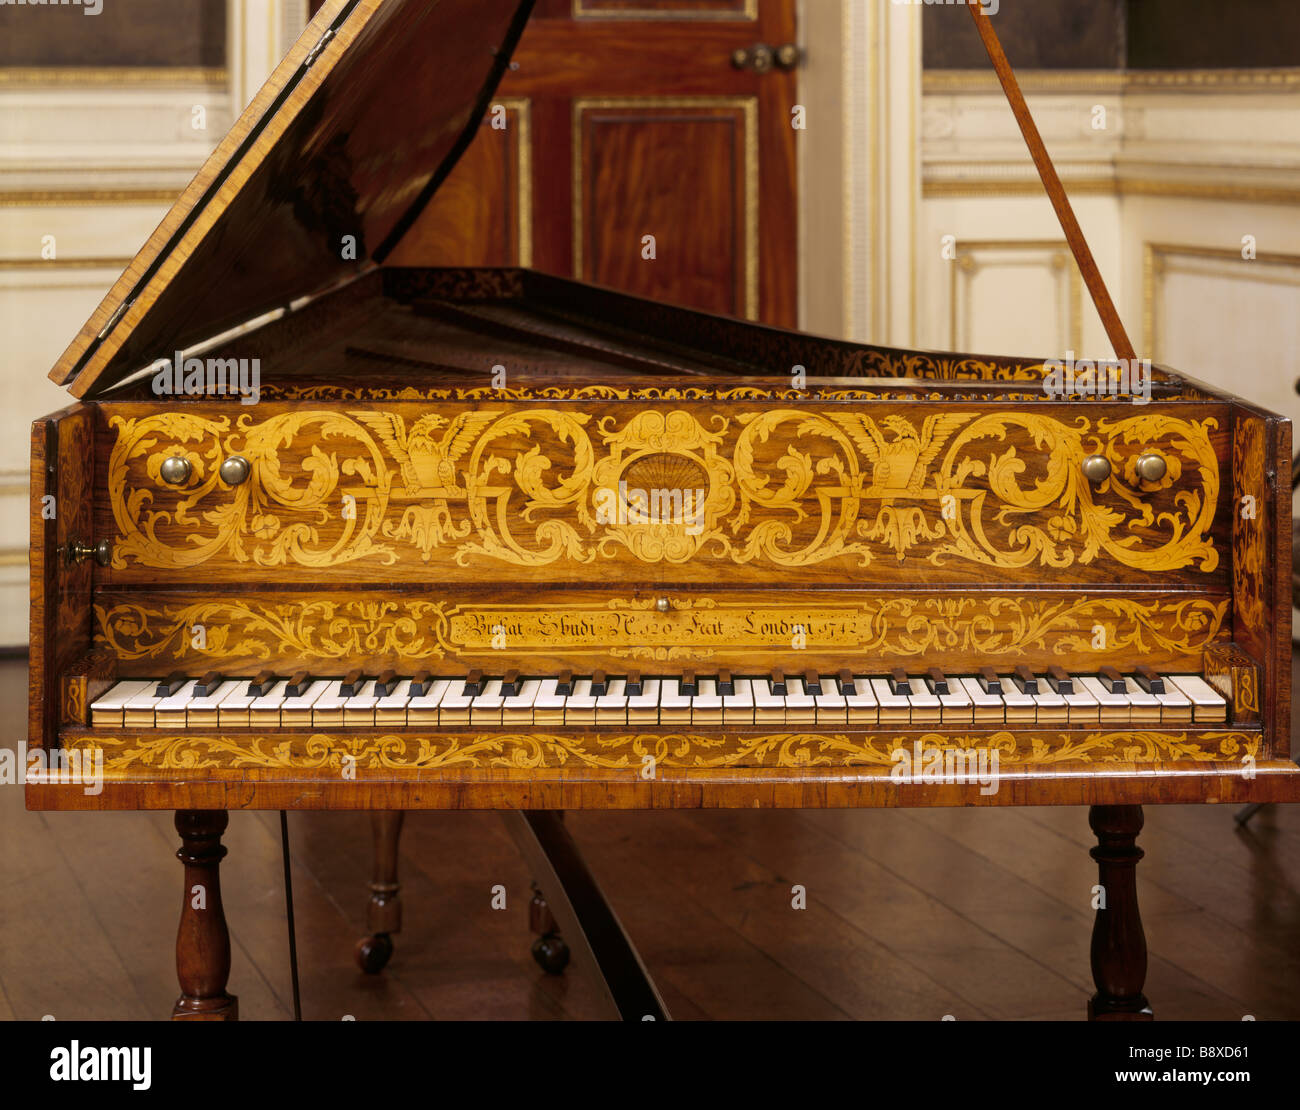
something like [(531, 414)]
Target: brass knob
[(235, 470), (79, 552), (175, 471), (759, 58), (1152, 467), (663, 605), (788, 55), (1096, 468)]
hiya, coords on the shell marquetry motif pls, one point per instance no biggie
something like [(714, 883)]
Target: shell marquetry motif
[(778, 487)]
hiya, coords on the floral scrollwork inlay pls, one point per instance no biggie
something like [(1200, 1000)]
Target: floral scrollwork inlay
[(613, 751), (781, 486)]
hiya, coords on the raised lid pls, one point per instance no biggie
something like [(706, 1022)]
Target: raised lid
[(317, 181)]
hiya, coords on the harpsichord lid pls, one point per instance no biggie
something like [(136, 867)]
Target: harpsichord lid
[(350, 136)]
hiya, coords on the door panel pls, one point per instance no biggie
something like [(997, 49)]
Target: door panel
[(703, 236), (627, 119)]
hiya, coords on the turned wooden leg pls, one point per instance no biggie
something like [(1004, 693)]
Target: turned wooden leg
[(384, 914), (549, 949), (203, 942), (1119, 947)]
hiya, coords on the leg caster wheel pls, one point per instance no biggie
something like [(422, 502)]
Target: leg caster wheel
[(551, 954), (373, 953)]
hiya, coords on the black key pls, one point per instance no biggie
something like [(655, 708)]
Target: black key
[(812, 683), (352, 683), (298, 684), (726, 686), (169, 685), (899, 686), (474, 683), (632, 686), (778, 683), (1024, 678), (1151, 682), (847, 686), (207, 685), (599, 684), (1060, 681), (510, 684), (989, 681), (420, 683), (261, 684), (386, 683), (1112, 680), (565, 685), (689, 686), (938, 682)]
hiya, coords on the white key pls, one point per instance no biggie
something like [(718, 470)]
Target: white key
[(327, 709), (955, 705), (863, 709), (359, 709), (1051, 707), (580, 706), (1175, 706), (611, 706), (643, 708), (832, 708), (233, 708), (297, 710), (1017, 705), (203, 712), (107, 708), (987, 707), (139, 710), (738, 708), (769, 708), (894, 708), (1143, 707), (454, 709), (674, 706), (266, 709), (926, 708), (1114, 708), (548, 705), (486, 708), (800, 706), (1208, 705), (1083, 707), (177, 703), (424, 709), (706, 706), (518, 708)]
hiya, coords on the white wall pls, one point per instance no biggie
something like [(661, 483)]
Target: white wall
[(94, 159)]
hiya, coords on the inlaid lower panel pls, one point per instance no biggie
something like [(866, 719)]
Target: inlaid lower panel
[(211, 753)]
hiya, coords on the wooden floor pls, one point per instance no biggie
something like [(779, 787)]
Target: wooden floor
[(910, 915)]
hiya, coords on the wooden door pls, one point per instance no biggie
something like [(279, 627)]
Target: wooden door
[(628, 119)]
